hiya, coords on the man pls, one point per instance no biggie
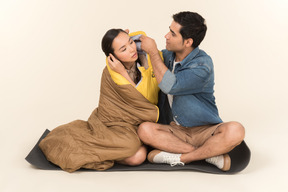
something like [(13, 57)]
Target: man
[(186, 79)]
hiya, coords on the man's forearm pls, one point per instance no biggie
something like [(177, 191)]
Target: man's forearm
[(158, 65)]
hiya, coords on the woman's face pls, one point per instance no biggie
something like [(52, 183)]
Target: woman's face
[(125, 48)]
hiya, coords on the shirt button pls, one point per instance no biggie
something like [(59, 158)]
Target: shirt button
[(176, 116)]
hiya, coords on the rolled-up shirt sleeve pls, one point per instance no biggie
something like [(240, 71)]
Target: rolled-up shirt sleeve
[(167, 82), (188, 81)]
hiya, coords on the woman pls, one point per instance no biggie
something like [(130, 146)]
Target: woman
[(128, 97)]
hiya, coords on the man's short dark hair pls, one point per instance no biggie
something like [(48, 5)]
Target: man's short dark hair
[(193, 26)]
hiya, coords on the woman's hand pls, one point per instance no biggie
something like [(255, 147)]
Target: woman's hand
[(118, 67), (115, 64)]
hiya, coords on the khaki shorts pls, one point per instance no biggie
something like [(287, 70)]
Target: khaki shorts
[(195, 136)]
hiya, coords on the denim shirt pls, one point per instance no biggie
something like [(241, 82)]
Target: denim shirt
[(192, 87)]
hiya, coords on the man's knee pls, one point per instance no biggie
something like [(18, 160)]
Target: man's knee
[(145, 131), (234, 132)]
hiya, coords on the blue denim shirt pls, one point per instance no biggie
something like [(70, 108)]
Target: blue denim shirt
[(192, 87)]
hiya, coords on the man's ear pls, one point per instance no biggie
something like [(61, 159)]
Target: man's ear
[(127, 31), (189, 42)]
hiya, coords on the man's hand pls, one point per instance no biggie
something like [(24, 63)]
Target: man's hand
[(148, 45), (115, 64)]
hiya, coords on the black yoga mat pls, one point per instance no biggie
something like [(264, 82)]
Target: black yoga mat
[(240, 157)]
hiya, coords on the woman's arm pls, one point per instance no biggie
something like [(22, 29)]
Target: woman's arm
[(118, 67)]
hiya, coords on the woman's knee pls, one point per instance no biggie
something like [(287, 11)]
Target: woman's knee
[(129, 144), (138, 158)]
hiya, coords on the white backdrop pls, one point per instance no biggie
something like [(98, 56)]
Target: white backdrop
[(51, 64)]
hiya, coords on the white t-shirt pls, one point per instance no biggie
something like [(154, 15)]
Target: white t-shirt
[(170, 97)]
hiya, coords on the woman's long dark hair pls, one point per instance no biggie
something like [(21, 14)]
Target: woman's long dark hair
[(108, 39)]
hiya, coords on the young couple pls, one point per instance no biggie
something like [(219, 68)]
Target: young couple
[(185, 128)]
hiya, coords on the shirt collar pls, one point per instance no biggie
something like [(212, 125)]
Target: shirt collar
[(188, 58)]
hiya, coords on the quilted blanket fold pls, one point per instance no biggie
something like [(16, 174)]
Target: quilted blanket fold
[(109, 134)]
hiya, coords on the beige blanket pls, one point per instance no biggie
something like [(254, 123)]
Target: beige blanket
[(108, 135)]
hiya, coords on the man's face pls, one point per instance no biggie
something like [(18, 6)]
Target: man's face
[(174, 40)]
